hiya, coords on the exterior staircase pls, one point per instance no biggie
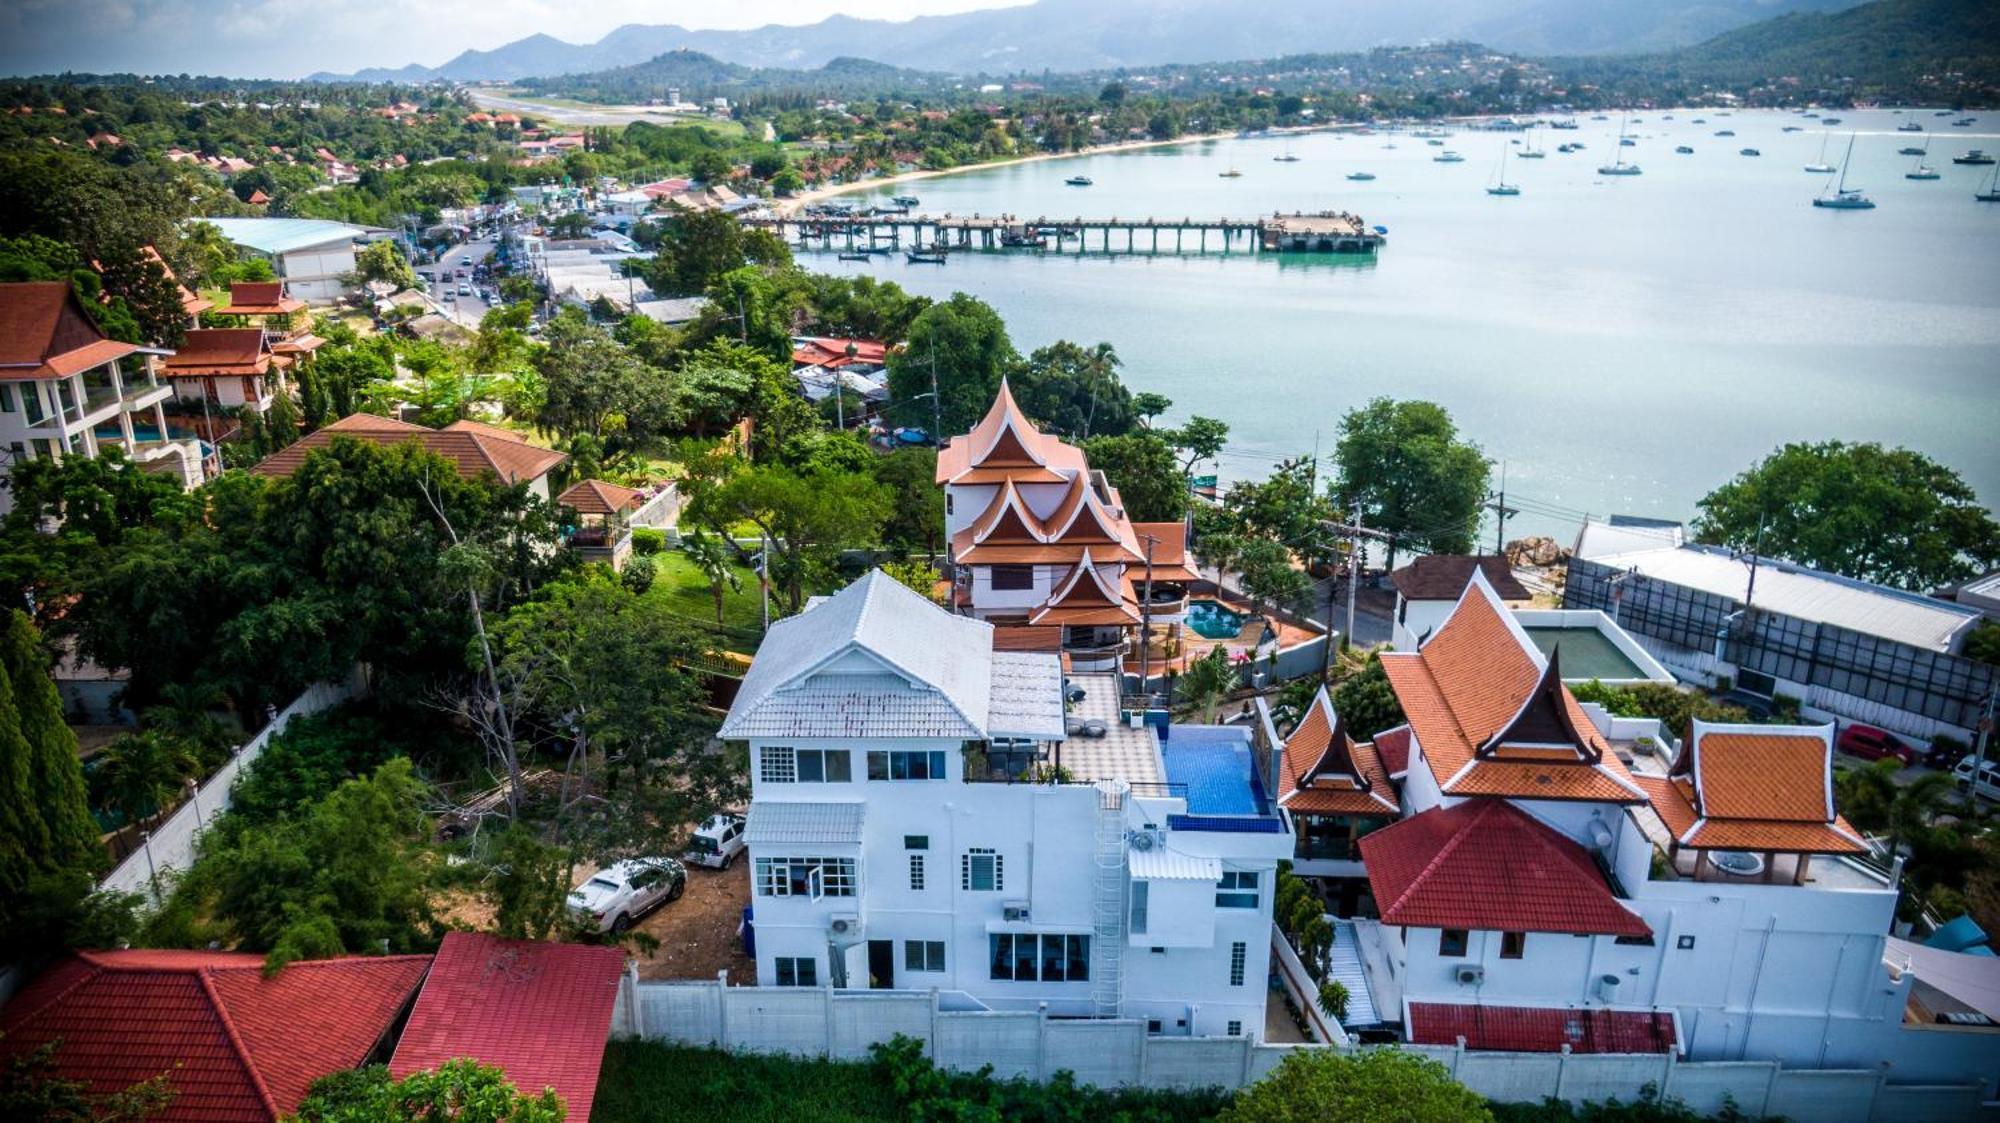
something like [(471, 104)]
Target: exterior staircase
[(1344, 966), (1107, 945)]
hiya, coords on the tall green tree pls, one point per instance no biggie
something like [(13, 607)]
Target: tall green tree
[(964, 343), (1207, 681), (1888, 515), (1075, 390), (1382, 1085), (1200, 439), (916, 517), (1142, 468), (1411, 474), (594, 385), (708, 555), (807, 518)]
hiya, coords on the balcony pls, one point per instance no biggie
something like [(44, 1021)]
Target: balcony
[(610, 545)]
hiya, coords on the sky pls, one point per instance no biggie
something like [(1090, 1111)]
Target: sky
[(292, 38)]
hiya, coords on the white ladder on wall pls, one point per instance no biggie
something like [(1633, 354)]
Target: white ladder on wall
[(1107, 949)]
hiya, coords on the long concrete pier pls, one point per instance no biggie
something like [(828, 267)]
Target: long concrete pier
[(1323, 232)]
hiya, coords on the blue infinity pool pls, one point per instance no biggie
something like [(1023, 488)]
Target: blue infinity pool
[(1215, 764), (1210, 620)]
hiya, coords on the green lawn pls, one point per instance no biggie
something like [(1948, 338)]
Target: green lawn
[(685, 590)]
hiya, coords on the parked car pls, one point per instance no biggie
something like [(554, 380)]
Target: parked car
[(1870, 743), (1982, 780), (616, 896), (716, 842), (464, 289)]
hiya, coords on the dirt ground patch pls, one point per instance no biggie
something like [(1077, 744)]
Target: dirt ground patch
[(697, 933)]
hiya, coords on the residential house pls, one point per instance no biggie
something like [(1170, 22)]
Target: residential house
[(1428, 588), (601, 532), (1563, 879), (232, 1043), (858, 365), (68, 390), (921, 818), (1039, 539), (266, 305), (476, 450), (309, 255), (1845, 649), (220, 371)]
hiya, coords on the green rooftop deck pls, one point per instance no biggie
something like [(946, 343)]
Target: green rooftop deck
[(1586, 653)]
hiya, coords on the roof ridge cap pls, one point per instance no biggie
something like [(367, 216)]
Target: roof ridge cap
[(236, 1042)]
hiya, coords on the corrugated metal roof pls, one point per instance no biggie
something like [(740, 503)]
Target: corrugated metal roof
[(1807, 594), (1026, 696), (283, 235), (788, 822), (1162, 864)]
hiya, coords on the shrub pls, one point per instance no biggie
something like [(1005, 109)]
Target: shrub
[(1333, 1000), (639, 574), (1367, 1086), (647, 541)]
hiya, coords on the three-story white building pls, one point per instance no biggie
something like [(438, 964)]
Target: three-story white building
[(920, 819)]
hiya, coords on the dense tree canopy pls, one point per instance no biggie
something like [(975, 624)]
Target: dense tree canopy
[(1411, 474), (1142, 468), (48, 843), (1880, 514), (963, 344), (462, 1090)]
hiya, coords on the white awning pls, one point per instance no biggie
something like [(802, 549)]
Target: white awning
[(778, 823), (1162, 864)]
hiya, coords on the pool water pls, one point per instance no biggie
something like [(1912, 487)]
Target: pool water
[(1210, 620), (1214, 762)]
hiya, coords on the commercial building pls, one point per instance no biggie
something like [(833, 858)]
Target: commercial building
[(921, 818), (310, 255)]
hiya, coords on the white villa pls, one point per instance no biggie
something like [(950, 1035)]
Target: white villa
[(922, 818), (1518, 871)]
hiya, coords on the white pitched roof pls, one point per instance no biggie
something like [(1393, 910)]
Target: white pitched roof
[(781, 822), (874, 660), (1026, 695), (1162, 864)]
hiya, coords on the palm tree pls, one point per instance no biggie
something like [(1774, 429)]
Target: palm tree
[(186, 712), (143, 772), (1916, 806), (708, 555), (1207, 681), (1100, 362)]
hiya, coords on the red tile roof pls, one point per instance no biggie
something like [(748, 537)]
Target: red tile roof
[(235, 1044), (1006, 445), (219, 351), (1087, 595), (832, 353), (1393, 746), (595, 497), (1539, 1029), (259, 298), (45, 333), (475, 453), (1486, 864), (1445, 576), (541, 1012)]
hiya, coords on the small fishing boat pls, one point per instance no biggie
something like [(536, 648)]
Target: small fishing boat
[(1843, 197), (1684, 150), (1627, 142), (1963, 122), (1793, 129), (1725, 132), (1909, 150), (854, 257), (1435, 143), (1079, 181), (1909, 127), (1500, 186), (1448, 157), (1361, 177), (1992, 192), (1829, 121), (1975, 157), (1748, 152), (1230, 174), (1286, 158), (1700, 121), (905, 200), (923, 257)]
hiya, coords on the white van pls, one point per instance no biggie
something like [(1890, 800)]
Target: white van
[(1987, 784)]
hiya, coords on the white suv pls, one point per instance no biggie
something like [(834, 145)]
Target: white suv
[(616, 896), (716, 842)]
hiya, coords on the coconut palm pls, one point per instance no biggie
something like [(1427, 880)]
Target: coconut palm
[(712, 559), (186, 712), (143, 772), (1207, 681), (1100, 362)]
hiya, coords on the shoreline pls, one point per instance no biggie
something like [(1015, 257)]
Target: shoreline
[(786, 207)]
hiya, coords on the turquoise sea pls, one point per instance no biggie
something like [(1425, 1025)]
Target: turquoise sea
[(1622, 344)]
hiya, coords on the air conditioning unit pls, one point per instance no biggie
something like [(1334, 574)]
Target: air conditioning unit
[(844, 929), (1015, 912), (1470, 974), (1144, 839)]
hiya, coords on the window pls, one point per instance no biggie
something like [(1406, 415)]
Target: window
[(980, 871), (779, 765), (1013, 578), (1152, 1025), (1451, 943), (923, 955), (1235, 1029), (916, 873), (916, 842), (1236, 890), (1239, 954), (1139, 892), (1512, 944), (6, 398), (947, 501), (901, 764), (797, 971), (1027, 957), (805, 877), (1684, 943), (1634, 941)]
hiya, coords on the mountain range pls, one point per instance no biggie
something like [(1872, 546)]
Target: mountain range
[(1071, 35)]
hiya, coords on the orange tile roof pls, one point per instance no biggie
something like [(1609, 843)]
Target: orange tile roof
[(474, 454), (1170, 556), (206, 352), (1086, 596), (595, 497), (1006, 445), (259, 298), (1324, 771), (304, 343), (45, 333), (1477, 689), (1764, 788)]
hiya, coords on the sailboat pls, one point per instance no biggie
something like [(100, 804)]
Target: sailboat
[(1845, 198), (1531, 152), (1232, 173), (1992, 192), (1287, 158), (1923, 170), (1618, 166), (1500, 186), (1820, 166)]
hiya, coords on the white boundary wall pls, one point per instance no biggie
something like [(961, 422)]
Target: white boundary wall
[(842, 1024), (170, 845)]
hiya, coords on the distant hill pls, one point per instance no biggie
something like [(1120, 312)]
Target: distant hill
[(697, 75), (1073, 35)]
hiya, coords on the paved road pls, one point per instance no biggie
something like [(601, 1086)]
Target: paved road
[(464, 310), (567, 115)]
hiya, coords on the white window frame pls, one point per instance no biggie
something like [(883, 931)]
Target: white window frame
[(916, 873), (777, 764), (1235, 886), (1239, 962), (966, 863)]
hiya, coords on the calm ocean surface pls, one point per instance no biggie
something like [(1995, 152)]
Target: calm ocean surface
[(1622, 344)]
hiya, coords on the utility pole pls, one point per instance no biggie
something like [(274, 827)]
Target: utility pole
[(1985, 731), (1501, 513), (1146, 620), (1326, 649), (937, 403), (1355, 533)]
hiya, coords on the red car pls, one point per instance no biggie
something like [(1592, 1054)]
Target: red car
[(1870, 743)]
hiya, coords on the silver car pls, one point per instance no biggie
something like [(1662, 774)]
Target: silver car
[(616, 896)]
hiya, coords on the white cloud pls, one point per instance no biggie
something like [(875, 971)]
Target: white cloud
[(289, 38)]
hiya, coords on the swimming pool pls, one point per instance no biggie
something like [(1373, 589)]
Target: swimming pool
[(1214, 762), (1210, 620)]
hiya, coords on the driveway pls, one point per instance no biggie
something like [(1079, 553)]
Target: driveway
[(697, 933)]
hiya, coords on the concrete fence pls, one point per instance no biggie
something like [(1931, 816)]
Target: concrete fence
[(170, 845), (842, 1024)]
